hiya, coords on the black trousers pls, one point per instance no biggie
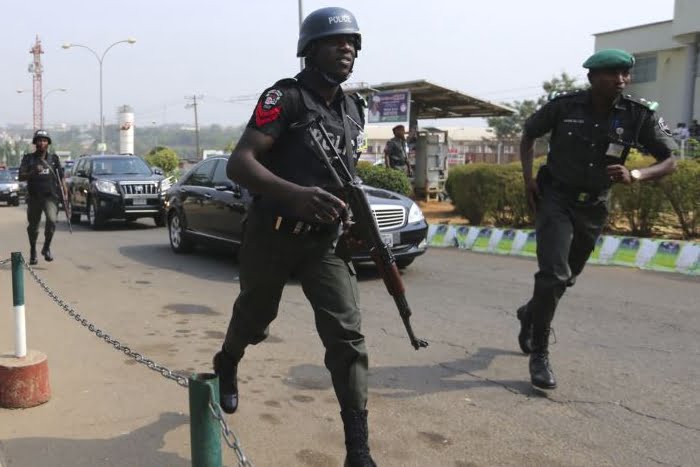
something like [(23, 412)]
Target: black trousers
[(268, 258), (567, 231)]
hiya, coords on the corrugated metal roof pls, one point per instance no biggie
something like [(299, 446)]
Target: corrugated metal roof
[(434, 101)]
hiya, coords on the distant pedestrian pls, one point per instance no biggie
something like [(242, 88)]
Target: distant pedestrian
[(396, 151), (44, 176)]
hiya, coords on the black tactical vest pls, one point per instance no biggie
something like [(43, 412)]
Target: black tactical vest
[(43, 183), (294, 156)]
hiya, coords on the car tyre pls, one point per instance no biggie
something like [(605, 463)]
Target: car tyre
[(75, 217), (403, 263), (94, 218), (15, 202), (179, 241), (160, 219)]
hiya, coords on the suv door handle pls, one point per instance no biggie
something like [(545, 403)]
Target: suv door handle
[(207, 195)]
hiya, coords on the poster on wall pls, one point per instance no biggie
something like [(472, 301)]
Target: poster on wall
[(389, 107)]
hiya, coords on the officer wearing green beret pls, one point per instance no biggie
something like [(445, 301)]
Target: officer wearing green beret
[(592, 132)]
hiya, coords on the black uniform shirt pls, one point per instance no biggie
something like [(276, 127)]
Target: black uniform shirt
[(582, 144), (396, 149), (293, 155)]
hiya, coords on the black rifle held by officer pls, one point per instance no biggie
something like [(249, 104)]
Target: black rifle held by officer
[(368, 230)]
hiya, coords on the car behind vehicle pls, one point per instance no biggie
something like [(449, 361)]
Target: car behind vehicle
[(206, 206), (9, 188), (116, 187)]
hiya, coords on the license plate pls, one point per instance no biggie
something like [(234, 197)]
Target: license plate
[(388, 239), (139, 202)]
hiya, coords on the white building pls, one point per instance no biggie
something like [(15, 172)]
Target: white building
[(666, 68)]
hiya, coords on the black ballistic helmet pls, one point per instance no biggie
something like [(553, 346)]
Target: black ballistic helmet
[(41, 134), (331, 21)]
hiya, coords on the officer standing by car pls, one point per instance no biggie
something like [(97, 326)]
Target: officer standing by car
[(294, 222), (43, 172), (592, 132)]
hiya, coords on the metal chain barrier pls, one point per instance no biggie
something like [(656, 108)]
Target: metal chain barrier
[(229, 436), (5, 261)]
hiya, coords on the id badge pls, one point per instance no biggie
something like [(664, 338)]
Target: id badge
[(615, 150)]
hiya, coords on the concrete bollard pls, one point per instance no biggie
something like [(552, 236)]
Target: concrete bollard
[(24, 376)]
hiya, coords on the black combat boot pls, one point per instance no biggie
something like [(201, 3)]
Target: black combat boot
[(226, 368), (32, 250), (525, 336), (46, 250), (356, 439), (541, 374)]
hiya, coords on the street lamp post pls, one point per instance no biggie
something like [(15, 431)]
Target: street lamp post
[(43, 100), (100, 59)]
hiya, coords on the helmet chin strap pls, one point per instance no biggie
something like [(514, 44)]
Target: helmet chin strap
[(332, 79)]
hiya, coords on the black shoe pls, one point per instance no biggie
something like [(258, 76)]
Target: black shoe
[(525, 336), (541, 374), (356, 439), (226, 369), (46, 253), (32, 259)]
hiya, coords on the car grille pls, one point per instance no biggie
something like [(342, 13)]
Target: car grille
[(131, 189), (389, 216)]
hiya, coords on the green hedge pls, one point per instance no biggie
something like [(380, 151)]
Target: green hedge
[(487, 193), (382, 177)]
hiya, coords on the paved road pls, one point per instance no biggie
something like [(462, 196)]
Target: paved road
[(627, 358)]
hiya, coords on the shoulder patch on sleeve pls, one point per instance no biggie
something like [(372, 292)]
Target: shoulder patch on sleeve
[(268, 108)]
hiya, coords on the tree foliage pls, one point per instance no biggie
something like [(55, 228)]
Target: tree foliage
[(511, 127), (163, 157)]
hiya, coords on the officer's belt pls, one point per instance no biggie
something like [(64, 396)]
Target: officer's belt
[(296, 227), (576, 193)]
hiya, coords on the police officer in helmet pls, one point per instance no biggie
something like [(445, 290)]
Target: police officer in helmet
[(43, 173), (592, 133), (295, 221)]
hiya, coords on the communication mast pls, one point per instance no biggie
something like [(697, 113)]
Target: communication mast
[(37, 69)]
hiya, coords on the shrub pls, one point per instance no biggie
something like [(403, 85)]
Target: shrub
[(163, 157), (475, 190), (641, 204), (682, 190), (382, 177)]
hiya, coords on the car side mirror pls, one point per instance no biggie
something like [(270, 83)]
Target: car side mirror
[(157, 171), (81, 173)]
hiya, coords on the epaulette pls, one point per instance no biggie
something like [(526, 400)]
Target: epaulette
[(651, 105), (559, 94)]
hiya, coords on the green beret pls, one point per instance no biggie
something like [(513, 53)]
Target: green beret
[(609, 58)]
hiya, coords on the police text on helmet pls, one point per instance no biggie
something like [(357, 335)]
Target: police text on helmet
[(339, 19)]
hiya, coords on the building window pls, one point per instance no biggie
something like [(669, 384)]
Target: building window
[(644, 70)]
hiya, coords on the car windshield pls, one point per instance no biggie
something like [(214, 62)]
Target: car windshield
[(120, 166), (6, 177)]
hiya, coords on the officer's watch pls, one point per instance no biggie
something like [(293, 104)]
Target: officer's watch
[(636, 175)]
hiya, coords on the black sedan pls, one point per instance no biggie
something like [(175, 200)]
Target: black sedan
[(206, 206)]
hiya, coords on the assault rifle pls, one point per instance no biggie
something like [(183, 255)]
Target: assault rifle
[(369, 231), (64, 197)]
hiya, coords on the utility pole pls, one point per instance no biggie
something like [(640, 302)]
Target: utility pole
[(301, 18), (193, 104), (37, 69)]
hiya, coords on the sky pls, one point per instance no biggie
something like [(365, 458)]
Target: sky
[(233, 49)]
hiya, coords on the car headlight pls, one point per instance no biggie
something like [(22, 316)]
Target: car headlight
[(165, 184), (14, 187), (105, 186), (415, 214)]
